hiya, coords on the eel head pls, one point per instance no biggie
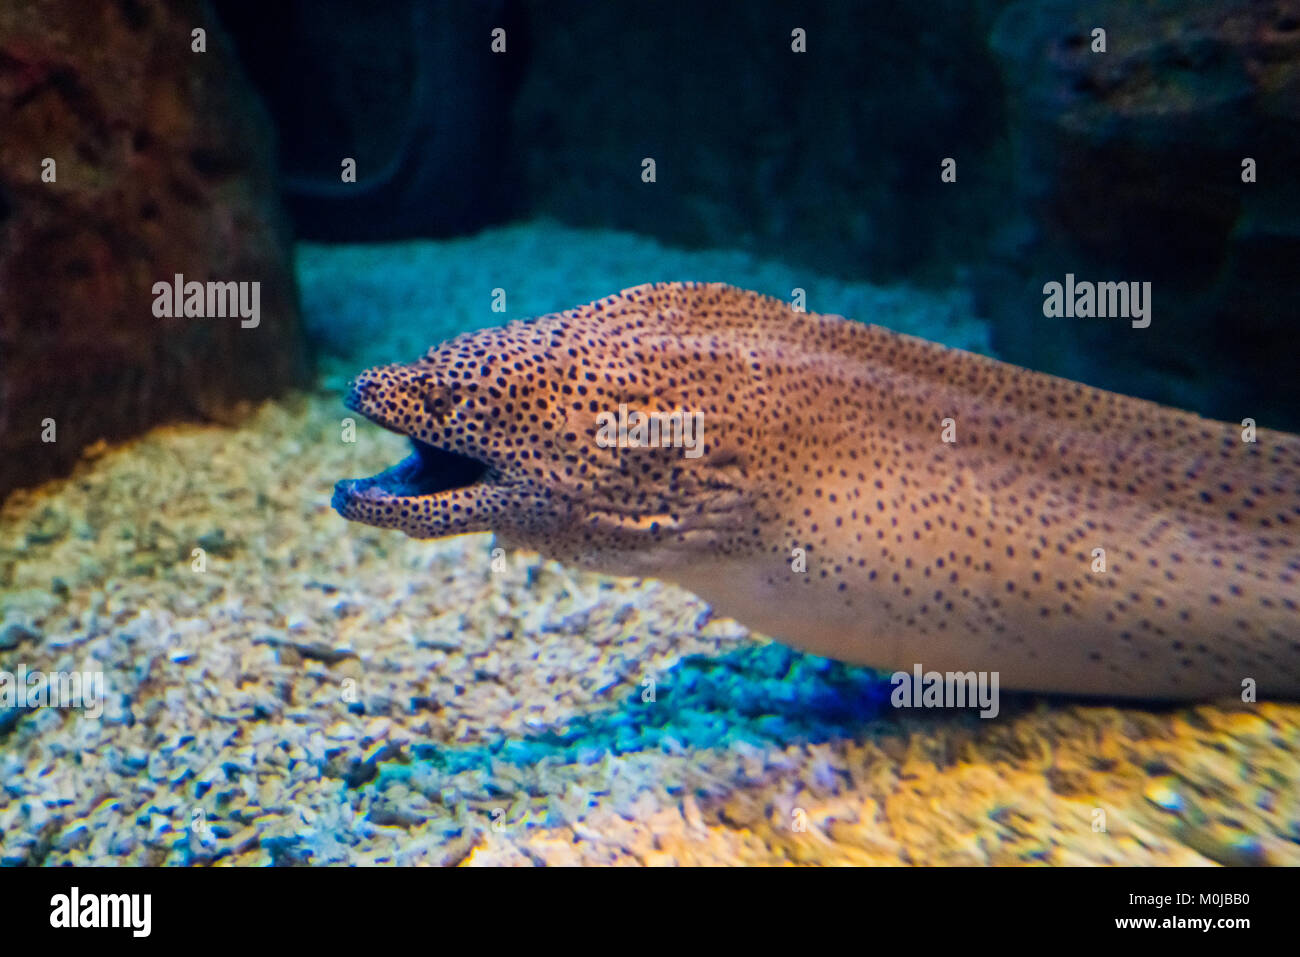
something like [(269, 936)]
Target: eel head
[(506, 429)]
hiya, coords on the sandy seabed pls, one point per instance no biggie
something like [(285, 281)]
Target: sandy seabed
[(322, 692)]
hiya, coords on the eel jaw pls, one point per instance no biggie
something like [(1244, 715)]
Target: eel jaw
[(427, 471), (431, 493)]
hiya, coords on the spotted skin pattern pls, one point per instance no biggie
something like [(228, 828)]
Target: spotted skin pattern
[(823, 438)]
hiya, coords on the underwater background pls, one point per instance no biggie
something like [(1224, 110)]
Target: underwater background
[(282, 687)]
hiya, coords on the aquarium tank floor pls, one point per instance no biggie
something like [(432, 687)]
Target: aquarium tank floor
[(329, 693)]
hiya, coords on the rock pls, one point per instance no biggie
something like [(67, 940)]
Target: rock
[(216, 542), (163, 165), (1129, 168), (49, 526), (15, 633)]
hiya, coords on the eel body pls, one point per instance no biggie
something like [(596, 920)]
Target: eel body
[(862, 494)]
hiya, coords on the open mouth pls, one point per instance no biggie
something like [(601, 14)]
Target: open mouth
[(427, 471)]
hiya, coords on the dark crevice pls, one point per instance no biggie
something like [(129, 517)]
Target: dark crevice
[(212, 164), (134, 13)]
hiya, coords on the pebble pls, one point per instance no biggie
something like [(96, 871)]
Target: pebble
[(1162, 794), (14, 634)]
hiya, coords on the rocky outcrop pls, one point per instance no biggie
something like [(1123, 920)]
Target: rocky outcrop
[(1129, 167), (127, 158)]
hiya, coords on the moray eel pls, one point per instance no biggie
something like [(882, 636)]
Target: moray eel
[(1070, 539)]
